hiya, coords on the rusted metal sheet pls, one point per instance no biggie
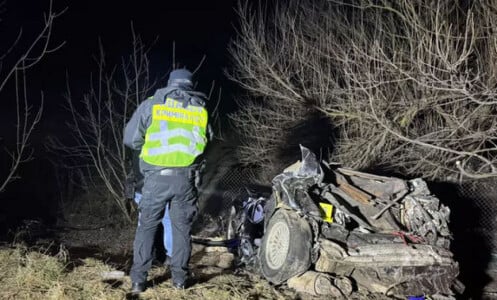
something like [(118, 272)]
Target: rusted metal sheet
[(380, 186), (351, 190)]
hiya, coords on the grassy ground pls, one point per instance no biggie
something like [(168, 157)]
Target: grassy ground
[(92, 243), (37, 274), (92, 248)]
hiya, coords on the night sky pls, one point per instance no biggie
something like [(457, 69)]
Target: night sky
[(197, 27)]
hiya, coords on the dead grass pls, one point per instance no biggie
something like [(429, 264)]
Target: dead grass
[(220, 287), (35, 274)]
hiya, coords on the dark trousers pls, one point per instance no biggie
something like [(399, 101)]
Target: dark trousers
[(178, 188)]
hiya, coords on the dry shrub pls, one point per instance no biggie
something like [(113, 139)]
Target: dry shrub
[(17, 57), (95, 151), (408, 85)]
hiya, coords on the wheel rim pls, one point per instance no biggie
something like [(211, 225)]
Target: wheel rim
[(277, 246)]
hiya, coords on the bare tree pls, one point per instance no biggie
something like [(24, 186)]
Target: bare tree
[(408, 85), (97, 154), (97, 123), (15, 62)]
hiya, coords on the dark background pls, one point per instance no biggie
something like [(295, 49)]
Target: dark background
[(197, 28)]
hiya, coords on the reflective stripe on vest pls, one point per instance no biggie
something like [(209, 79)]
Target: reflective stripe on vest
[(176, 136)]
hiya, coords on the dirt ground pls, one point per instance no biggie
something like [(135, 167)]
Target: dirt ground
[(93, 243)]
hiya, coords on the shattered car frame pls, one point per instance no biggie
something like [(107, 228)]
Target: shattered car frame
[(334, 230)]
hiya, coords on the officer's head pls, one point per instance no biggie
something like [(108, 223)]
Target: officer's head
[(181, 78)]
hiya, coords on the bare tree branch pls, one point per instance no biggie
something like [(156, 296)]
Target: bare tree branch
[(97, 126), (27, 116), (408, 85)]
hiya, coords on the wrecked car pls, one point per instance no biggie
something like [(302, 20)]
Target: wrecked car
[(332, 231)]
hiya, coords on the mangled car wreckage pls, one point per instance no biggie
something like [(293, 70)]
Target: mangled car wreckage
[(331, 231)]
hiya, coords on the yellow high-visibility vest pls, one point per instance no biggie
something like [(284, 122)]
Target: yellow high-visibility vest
[(176, 136)]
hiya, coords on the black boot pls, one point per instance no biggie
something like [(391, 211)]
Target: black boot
[(190, 280), (179, 285), (137, 287)]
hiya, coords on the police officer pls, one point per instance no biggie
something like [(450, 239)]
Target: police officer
[(170, 131), (162, 253)]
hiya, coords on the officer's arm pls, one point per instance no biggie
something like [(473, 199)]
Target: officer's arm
[(134, 132)]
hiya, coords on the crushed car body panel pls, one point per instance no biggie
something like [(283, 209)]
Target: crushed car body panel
[(386, 234)]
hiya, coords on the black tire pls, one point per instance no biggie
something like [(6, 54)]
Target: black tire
[(286, 247)]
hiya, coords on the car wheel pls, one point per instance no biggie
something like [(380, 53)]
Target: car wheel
[(286, 247)]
